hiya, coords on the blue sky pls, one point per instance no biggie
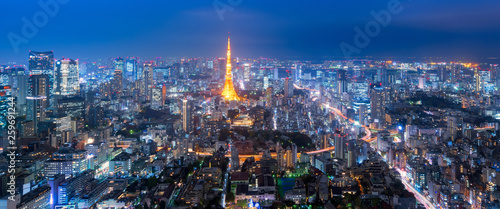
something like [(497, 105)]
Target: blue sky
[(101, 29)]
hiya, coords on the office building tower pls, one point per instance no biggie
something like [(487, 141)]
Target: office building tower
[(452, 123), (37, 99), (5, 100), (351, 153), (67, 161), (325, 140), (297, 71), (421, 82), (339, 141), (269, 96), (66, 77), (363, 111), (377, 103), (71, 106), (246, 73), (288, 87), (341, 81), (118, 76), (235, 159), (95, 116), (163, 94), (131, 68), (186, 116), (41, 63), (294, 154), (478, 80), (382, 76), (156, 97), (147, 76), (265, 82)]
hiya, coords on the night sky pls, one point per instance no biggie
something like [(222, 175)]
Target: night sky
[(94, 29)]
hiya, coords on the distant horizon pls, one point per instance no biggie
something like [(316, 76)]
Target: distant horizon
[(481, 60), (99, 30)]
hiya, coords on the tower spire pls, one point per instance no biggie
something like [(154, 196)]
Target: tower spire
[(228, 91)]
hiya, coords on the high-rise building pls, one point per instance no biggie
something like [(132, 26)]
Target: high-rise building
[(377, 106), (351, 153), (163, 94), (341, 81), (19, 84), (229, 93), (478, 80), (288, 87), (95, 116), (235, 159), (66, 77), (37, 99), (363, 110), (131, 68), (246, 73), (5, 100), (269, 96), (382, 76), (71, 106), (186, 115), (340, 146), (118, 76), (147, 76), (66, 161), (265, 82), (41, 62)]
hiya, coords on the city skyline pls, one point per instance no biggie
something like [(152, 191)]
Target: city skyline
[(271, 29), (389, 104)]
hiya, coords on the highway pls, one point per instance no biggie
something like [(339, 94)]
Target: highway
[(422, 199)]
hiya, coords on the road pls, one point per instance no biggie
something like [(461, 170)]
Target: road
[(421, 198)]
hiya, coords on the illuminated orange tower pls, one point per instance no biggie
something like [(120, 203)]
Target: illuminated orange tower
[(228, 91)]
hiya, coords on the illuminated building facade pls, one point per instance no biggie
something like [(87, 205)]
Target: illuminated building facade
[(66, 77), (41, 62), (37, 101)]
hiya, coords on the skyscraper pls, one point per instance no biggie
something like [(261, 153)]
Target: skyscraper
[(377, 106), (37, 101), (362, 113), (229, 93), (118, 75), (20, 87), (288, 87), (66, 77), (339, 146), (131, 67), (147, 76), (341, 81), (117, 81), (235, 159), (186, 116), (478, 80), (41, 62)]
